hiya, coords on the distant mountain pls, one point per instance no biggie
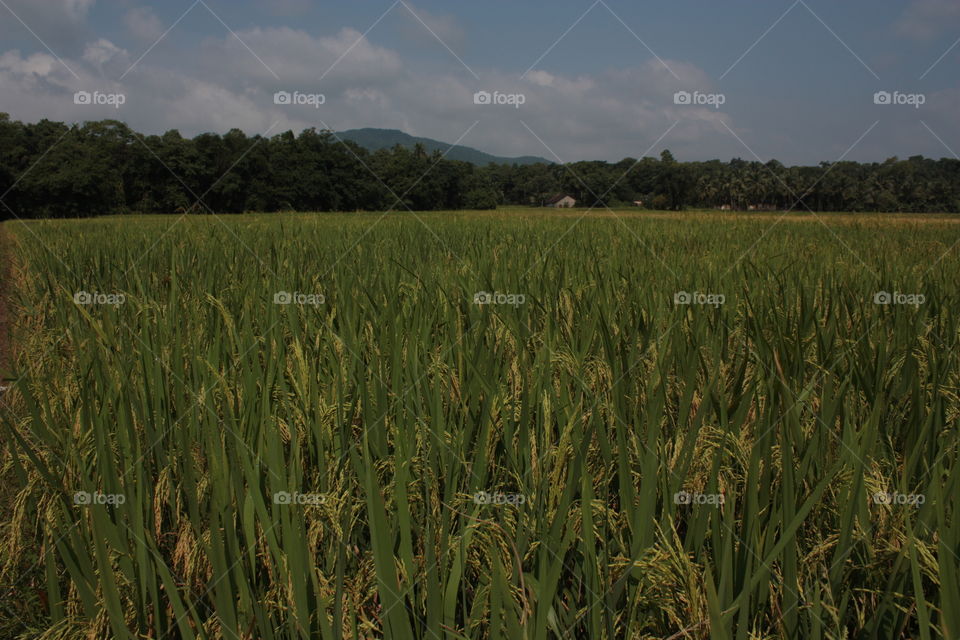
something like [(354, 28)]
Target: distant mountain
[(375, 139)]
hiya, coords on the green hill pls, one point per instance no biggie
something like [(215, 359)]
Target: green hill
[(375, 139)]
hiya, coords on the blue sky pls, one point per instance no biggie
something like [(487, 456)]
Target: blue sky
[(797, 79)]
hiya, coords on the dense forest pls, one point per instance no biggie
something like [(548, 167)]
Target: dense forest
[(50, 169)]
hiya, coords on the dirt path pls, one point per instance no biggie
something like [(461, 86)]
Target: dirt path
[(6, 274)]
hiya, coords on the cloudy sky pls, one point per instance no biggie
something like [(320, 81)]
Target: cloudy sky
[(795, 80)]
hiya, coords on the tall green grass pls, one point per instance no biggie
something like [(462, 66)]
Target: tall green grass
[(398, 400)]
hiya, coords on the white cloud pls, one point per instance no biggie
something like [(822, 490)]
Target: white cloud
[(205, 106), (76, 9), (220, 85), (607, 115), (297, 57), (928, 19), (65, 10), (101, 52), (39, 64), (60, 23), (419, 23), (567, 85), (144, 24)]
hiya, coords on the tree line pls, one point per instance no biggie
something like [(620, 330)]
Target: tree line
[(51, 169)]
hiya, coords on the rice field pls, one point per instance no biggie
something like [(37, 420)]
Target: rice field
[(507, 425)]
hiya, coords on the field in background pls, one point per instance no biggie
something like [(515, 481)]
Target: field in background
[(483, 425)]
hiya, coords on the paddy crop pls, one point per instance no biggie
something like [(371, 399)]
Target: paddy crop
[(510, 425)]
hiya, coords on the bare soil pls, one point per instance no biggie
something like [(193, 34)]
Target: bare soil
[(6, 274)]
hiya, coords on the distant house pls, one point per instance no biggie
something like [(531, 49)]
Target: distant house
[(561, 202), (638, 203)]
